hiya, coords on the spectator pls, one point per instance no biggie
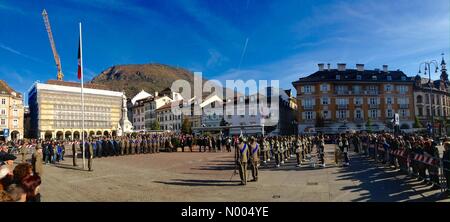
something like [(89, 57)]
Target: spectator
[(16, 193), (8, 164), (21, 171), (31, 185)]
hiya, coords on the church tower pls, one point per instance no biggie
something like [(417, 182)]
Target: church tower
[(444, 75)]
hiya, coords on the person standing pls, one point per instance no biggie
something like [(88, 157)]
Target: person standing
[(36, 161), (23, 151), (75, 148), (254, 158), (90, 154), (446, 164), (243, 153)]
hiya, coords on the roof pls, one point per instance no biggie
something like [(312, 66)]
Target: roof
[(141, 95), (5, 88), (168, 106), (76, 84), (351, 75)]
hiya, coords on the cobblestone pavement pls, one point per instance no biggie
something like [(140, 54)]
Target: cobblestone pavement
[(208, 176)]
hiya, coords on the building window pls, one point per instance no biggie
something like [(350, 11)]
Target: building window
[(15, 123), (373, 113), (372, 101), (389, 113), (338, 77), (324, 87), (403, 78), (307, 89), (342, 114), (428, 111), (389, 100), (358, 114), (3, 122), (3, 101), (357, 89), (308, 115), (388, 88), (358, 77), (358, 101), (403, 112), (325, 114), (389, 78), (325, 101), (402, 89), (3, 112), (420, 111), (374, 77), (419, 99), (427, 99)]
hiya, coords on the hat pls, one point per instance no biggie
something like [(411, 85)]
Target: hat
[(3, 171), (7, 157)]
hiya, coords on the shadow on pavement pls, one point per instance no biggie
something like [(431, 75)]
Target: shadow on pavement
[(182, 182), (67, 166), (382, 185)]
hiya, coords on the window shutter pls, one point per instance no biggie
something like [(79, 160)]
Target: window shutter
[(337, 114), (314, 115), (379, 113), (348, 113), (313, 101), (313, 88), (407, 113), (302, 89), (407, 100), (303, 115)]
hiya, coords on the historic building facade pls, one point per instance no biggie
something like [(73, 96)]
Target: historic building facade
[(11, 112), (56, 110), (335, 100), (432, 102)]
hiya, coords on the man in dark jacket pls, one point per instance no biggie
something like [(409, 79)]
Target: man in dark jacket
[(446, 164), (75, 148)]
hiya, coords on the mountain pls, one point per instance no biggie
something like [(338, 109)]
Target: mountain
[(149, 77)]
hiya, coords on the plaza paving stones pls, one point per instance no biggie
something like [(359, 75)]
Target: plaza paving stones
[(197, 176)]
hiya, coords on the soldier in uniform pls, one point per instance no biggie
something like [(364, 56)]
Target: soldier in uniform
[(254, 158), (242, 154), (23, 151), (321, 149), (276, 151), (298, 151), (89, 153), (144, 144), (133, 145), (75, 148)]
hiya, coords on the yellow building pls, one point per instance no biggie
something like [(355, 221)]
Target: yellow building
[(56, 110), (11, 112)]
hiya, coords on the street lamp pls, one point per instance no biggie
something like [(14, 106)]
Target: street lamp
[(427, 68)]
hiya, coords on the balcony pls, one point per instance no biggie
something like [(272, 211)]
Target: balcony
[(342, 106), (372, 92), (373, 106), (403, 106), (308, 107)]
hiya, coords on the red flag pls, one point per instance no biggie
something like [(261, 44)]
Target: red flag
[(79, 60)]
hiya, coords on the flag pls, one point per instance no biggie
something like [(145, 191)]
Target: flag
[(80, 74)]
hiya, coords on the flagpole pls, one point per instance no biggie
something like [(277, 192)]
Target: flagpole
[(82, 100)]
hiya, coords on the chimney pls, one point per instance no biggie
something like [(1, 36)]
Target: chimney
[(329, 67), (385, 68), (360, 67), (156, 94), (321, 66), (341, 67)]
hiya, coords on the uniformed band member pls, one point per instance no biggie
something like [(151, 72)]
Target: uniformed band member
[(243, 153)]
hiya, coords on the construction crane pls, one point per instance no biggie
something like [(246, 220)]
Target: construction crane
[(60, 75)]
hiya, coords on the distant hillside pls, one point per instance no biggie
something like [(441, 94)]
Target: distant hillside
[(134, 78)]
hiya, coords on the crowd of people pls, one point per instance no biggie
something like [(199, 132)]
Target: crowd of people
[(18, 183), (250, 153)]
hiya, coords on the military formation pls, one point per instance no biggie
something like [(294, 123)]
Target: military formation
[(251, 151)]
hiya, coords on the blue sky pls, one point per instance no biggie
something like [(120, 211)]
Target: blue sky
[(286, 39)]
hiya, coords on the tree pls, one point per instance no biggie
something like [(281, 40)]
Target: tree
[(320, 121), (186, 127), (417, 123), (368, 124), (155, 126)]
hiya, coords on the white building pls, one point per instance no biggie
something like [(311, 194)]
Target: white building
[(212, 109), (167, 119), (56, 110)]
